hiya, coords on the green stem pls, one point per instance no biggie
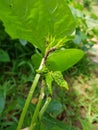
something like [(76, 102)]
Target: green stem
[(44, 108), (36, 112), (36, 79)]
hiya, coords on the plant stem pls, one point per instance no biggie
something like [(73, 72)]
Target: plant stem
[(36, 79), (44, 108), (36, 112)]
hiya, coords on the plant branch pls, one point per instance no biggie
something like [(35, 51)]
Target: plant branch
[(48, 52), (41, 113), (36, 112), (36, 79)]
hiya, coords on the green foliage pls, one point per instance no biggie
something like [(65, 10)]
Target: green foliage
[(63, 59), (35, 20), (2, 101), (11, 85), (55, 108), (3, 34), (36, 59), (48, 25), (86, 124), (58, 78), (50, 123), (49, 79), (4, 57), (86, 24)]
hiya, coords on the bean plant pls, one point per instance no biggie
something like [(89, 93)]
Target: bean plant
[(48, 25)]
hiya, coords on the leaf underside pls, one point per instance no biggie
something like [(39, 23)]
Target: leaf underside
[(34, 20)]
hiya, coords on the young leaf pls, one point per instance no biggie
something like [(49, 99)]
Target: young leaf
[(61, 60), (58, 78), (49, 80), (34, 20), (43, 71)]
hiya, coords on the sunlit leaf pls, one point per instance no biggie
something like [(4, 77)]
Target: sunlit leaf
[(61, 60), (34, 20)]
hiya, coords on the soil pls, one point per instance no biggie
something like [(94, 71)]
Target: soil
[(94, 55)]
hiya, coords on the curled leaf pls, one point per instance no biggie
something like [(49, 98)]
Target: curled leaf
[(58, 78)]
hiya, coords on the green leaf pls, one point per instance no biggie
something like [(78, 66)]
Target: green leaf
[(56, 128), (12, 127), (34, 20), (43, 71), (77, 39), (4, 57), (91, 23), (23, 42), (49, 79), (49, 123), (36, 59), (86, 125), (58, 78), (55, 108), (61, 60), (2, 101)]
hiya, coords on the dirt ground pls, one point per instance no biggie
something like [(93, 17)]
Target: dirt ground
[(94, 54)]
